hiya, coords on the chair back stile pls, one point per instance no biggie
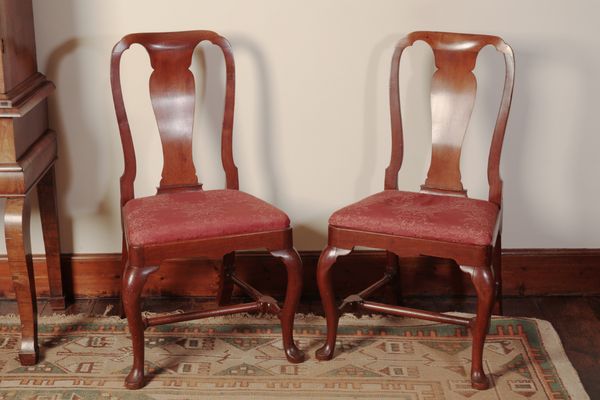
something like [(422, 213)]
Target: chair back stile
[(172, 94), (453, 91)]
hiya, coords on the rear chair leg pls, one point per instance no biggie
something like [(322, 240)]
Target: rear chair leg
[(124, 256), (225, 282), (497, 266), (332, 314), (392, 289), (133, 283), (293, 264)]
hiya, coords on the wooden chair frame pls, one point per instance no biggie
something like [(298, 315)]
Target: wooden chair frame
[(455, 58), (173, 94)]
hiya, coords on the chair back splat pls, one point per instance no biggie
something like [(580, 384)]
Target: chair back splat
[(172, 92), (453, 90)]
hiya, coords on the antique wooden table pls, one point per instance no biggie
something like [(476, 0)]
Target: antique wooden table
[(27, 156)]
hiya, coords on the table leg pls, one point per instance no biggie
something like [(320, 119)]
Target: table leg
[(49, 217), (18, 246)]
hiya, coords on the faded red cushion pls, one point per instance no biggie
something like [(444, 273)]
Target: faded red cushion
[(421, 215), (174, 217)]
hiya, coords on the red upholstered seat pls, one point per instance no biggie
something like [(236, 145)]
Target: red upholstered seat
[(173, 217), (421, 215)]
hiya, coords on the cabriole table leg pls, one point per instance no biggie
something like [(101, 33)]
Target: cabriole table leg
[(16, 226)]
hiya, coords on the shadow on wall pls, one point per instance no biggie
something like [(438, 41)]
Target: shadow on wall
[(417, 67), (209, 70), (70, 143), (263, 103), (84, 150), (558, 164), (371, 132), (64, 164), (208, 66), (415, 81)]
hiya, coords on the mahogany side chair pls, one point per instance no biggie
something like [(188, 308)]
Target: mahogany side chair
[(440, 220), (182, 220)]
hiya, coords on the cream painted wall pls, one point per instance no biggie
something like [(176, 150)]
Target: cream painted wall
[(312, 126)]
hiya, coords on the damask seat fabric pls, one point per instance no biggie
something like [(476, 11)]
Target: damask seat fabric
[(422, 216), (174, 217)]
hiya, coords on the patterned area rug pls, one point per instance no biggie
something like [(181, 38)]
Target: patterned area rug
[(242, 358)]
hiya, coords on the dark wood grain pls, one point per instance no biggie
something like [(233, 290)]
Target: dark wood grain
[(19, 60), (551, 271), (22, 176), (172, 93), (453, 89), (27, 129)]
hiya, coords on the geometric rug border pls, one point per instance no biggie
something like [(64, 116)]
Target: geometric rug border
[(548, 348)]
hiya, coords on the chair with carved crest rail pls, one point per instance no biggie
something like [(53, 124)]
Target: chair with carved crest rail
[(182, 220), (440, 220)]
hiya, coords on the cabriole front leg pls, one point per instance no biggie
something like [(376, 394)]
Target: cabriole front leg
[(293, 264), (483, 279), (332, 314), (18, 246), (133, 283)]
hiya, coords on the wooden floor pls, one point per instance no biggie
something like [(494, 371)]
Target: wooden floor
[(576, 319)]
